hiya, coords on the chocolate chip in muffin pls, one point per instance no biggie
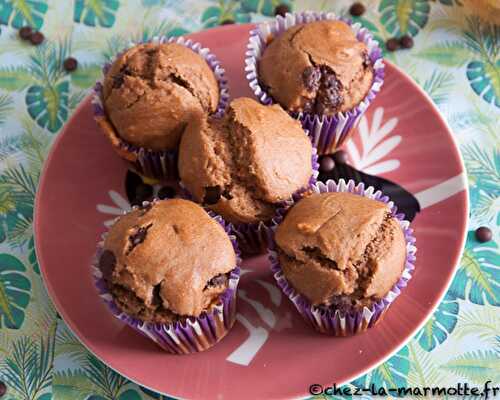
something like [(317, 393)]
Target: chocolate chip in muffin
[(311, 77), (212, 195), (107, 263), (227, 194), (357, 9), (138, 237), (217, 280)]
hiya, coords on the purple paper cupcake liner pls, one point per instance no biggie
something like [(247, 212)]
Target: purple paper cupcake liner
[(161, 165), (327, 132), (333, 321), (191, 334)]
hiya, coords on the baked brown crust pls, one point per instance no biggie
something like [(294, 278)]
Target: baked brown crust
[(341, 248)]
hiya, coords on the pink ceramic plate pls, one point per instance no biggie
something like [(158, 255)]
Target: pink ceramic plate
[(270, 353)]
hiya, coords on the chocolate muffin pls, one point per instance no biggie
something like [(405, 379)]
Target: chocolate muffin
[(318, 67), (341, 250), (152, 90), (166, 261), (241, 166)]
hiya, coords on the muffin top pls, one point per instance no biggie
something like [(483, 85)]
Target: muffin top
[(166, 260), (152, 90), (319, 67), (245, 163), (341, 248)]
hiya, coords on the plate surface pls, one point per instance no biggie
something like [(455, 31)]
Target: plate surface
[(270, 352)]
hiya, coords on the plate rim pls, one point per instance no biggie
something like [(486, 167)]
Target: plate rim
[(55, 144)]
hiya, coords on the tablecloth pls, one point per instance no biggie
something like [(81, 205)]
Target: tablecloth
[(455, 59)]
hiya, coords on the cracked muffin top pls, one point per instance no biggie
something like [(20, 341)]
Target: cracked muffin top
[(241, 166), (319, 67), (152, 90), (167, 260), (341, 249)]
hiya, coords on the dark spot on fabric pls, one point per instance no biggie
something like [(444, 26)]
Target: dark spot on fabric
[(281, 9)]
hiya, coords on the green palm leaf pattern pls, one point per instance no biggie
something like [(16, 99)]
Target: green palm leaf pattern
[(422, 370), (85, 76), (440, 325), (226, 10), (14, 292), (482, 323), (391, 374), (478, 278), (15, 78), (476, 366), (163, 29), (438, 86), (401, 17), (484, 79), (28, 369), (19, 13), (72, 385), (5, 108), (155, 395), (96, 12), (447, 54), (48, 105), (264, 7), (32, 256)]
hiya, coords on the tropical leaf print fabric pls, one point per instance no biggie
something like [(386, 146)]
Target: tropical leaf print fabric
[(456, 60)]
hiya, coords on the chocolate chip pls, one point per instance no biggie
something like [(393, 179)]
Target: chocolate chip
[(157, 301), (483, 234), (138, 237), (406, 42), (118, 80), (311, 78), (25, 32), (326, 164), (281, 9), (166, 192), (340, 157), (227, 22), (212, 195), (357, 9), (3, 389), (392, 44), (227, 194), (36, 38), (143, 192), (70, 64), (217, 280), (107, 263)]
